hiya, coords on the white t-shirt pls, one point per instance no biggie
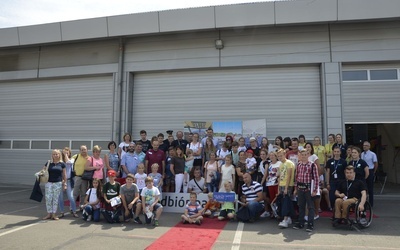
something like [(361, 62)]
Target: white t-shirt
[(313, 158), (227, 172), (195, 148), (242, 149), (150, 195), (221, 154), (273, 170), (193, 186), (93, 196), (140, 180)]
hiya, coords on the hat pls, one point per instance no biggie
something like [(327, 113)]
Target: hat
[(169, 132), (250, 151), (111, 173), (252, 138)]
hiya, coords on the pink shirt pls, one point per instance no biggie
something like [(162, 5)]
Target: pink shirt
[(98, 174)]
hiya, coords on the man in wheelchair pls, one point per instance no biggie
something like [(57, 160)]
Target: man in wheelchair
[(349, 192)]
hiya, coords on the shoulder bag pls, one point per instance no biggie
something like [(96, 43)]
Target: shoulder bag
[(88, 174)]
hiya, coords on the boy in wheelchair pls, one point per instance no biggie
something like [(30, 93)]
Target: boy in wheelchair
[(349, 192)]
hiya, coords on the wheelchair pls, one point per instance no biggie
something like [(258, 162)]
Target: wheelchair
[(355, 217)]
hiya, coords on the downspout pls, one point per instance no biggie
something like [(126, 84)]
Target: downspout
[(120, 86), (324, 105)]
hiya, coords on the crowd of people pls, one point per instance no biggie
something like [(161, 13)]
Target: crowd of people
[(270, 179)]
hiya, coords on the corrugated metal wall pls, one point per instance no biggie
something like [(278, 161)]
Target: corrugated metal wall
[(289, 98)]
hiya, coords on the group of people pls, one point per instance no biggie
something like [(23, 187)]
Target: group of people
[(265, 177)]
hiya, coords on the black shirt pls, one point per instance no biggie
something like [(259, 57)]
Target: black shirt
[(146, 145), (338, 167), (343, 150), (183, 143), (352, 189), (359, 167), (55, 171)]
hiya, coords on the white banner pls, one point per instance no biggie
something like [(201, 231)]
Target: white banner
[(176, 202)]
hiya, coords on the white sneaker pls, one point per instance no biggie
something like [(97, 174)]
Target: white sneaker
[(289, 221), (283, 224), (316, 217), (306, 218), (89, 218), (265, 214)]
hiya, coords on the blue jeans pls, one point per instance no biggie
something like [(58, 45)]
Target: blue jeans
[(255, 208), (94, 212), (211, 188), (72, 203), (304, 197)]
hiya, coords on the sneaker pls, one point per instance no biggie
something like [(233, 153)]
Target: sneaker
[(298, 226), (283, 224), (316, 217), (265, 214), (289, 221), (198, 222), (89, 218), (363, 221), (306, 218), (156, 223), (184, 221), (137, 220), (128, 219), (310, 227), (274, 210)]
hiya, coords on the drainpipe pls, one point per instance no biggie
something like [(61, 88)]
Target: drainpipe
[(120, 88)]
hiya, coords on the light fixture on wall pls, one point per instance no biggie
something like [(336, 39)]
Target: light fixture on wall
[(219, 44)]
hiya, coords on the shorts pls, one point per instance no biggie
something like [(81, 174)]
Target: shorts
[(224, 213), (169, 180)]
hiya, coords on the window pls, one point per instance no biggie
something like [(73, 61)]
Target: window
[(21, 144), (40, 145), (355, 75), (383, 74), (5, 144)]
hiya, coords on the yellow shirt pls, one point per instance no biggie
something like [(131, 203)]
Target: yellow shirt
[(328, 150), (284, 168), (320, 152), (80, 164)]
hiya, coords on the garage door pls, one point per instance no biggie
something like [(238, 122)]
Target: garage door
[(371, 93), (288, 98)]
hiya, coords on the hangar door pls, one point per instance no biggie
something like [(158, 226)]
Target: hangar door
[(288, 98)]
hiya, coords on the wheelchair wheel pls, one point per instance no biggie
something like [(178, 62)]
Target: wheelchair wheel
[(364, 218), (352, 215)]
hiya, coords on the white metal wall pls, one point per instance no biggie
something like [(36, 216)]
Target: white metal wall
[(371, 101), (289, 98)]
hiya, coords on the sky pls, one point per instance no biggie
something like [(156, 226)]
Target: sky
[(14, 13)]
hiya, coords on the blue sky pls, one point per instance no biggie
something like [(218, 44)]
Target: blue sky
[(15, 13)]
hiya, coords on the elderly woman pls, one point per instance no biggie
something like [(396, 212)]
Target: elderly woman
[(57, 181), (96, 163)]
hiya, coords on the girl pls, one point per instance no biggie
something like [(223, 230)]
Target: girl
[(69, 162), (242, 146), (211, 167), (188, 168), (157, 178), (92, 202), (178, 168), (140, 177), (57, 182), (278, 143), (329, 146), (271, 179), (208, 148), (227, 174), (240, 170)]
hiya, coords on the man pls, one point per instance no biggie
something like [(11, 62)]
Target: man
[(370, 158), (162, 144), (306, 187), (180, 141), (210, 134), (190, 137), (286, 184), (197, 184), (334, 173), (155, 155), (360, 166), (131, 160), (349, 192), (293, 154), (252, 190), (146, 144), (254, 147), (80, 186)]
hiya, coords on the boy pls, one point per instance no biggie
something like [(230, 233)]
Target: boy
[(129, 197), (193, 211), (211, 206), (111, 190), (150, 196), (227, 208)]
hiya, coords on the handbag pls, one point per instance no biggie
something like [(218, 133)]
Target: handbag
[(88, 174), (43, 175), (36, 194)]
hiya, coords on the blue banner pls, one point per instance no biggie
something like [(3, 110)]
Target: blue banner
[(224, 197)]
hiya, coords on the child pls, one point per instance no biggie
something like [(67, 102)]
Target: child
[(150, 197), (140, 177), (242, 145), (157, 178), (188, 168), (250, 162), (111, 190), (224, 151), (91, 207), (227, 208), (211, 206), (129, 197), (193, 211)]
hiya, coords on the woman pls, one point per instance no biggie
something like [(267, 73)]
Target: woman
[(264, 143), (348, 153), (261, 163), (177, 167), (329, 146), (96, 163), (208, 148), (227, 173), (287, 143), (278, 143), (313, 157), (240, 170), (210, 169), (69, 162), (229, 140), (123, 146), (56, 183), (111, 159), (343, 146), (319, 150), (360, 166), (302, 141), (270, 179), (197, 149)]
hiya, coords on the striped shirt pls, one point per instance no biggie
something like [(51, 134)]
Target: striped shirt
[(252, 190), (305, 172)]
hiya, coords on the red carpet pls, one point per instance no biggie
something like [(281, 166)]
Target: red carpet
[(190, 236)]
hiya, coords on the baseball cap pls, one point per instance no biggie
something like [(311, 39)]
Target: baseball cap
[(111, 173)]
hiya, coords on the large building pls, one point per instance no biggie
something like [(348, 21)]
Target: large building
[(307, 67)]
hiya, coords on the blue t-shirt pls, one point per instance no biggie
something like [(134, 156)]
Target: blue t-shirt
[(193, 208), (55, 171)]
